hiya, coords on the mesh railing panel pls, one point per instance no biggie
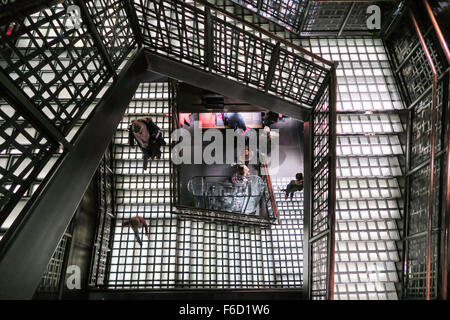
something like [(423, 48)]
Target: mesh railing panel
[(24, 151), (60, 70), (415, 79), (180, 31), (111, 20)]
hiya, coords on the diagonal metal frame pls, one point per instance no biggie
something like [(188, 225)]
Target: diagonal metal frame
[(96, 36), (35, 239), (193, 76), (30, 111)]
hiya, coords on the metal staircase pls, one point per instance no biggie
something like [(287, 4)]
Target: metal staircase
[(370, 161), (187, 252)]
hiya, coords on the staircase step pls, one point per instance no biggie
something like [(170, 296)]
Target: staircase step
[(369, 123), (365, 291), (368, 146), (365, 272), (375, 251), (367, 167)]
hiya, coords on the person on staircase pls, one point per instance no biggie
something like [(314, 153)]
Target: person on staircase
[(135, 223), (240, 176), (148, 136), (294, 186)]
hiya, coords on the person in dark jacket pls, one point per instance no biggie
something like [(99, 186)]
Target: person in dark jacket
[(270, 118), (234, 120), (240, 176), (148, 136), (294, 185), (135, 223)]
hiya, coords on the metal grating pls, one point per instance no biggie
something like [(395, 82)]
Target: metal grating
[(319, 268), (60, 70), (105, 222), (184, 252), (111, 20), (188, 34), (24, 151), (415, 278), (321, 229), (415, 79), (50, 285)]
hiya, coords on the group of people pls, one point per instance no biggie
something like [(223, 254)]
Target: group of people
[(149, 138)]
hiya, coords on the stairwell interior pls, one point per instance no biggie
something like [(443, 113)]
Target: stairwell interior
[(379, 239)]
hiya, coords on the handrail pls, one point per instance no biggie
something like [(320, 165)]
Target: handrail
[(267, 33), (228, 49), (432, 155), (438, 30), (269, 186)]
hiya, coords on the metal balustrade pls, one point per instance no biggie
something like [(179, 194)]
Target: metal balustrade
[(209, 42), (53, 76), (414, 62)]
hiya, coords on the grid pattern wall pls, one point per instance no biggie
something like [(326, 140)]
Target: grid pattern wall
[(61, 73), (183, 32), (186, 252), (370, 164), (308, 17), (415, 79)]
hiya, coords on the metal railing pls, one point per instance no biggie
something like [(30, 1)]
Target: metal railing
[(420, 59), (320, 197), (206, 40), (216, 198)]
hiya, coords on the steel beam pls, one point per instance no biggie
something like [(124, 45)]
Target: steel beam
[(15, 96), (307, 204), (230, 88), (25, 256), (92, 28), (344, 23), (332, 180), (209, 39), (445, 263), (272, 66), (134, 22)]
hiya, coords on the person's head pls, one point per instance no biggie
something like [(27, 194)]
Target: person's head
[(243, 170), (299, 176), (136, 127)]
